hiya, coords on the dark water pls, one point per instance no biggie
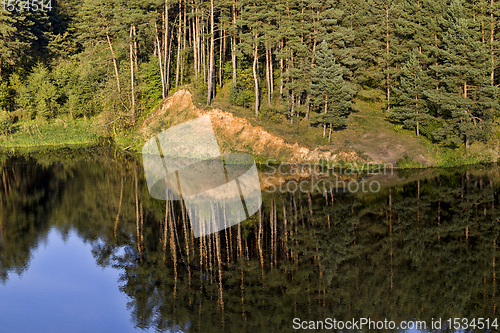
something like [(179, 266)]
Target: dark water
[(84, 248)]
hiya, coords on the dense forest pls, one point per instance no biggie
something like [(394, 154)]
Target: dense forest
[(432, 63)]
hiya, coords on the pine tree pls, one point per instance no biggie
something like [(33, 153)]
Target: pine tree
[(329, 90), (411, 108), (96, 20), (375, 40), (465, 97), (15, 37)]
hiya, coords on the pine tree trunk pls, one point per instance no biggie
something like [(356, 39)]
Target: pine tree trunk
[(211, 68), (418, 132), (271, 75), (467, 140), (387, 64), (202, 52), (330, 133), (222, 53), (281, 72), (233, 40), (292, 94), (166, 69), (492, 78), (159, 61), (183, 43), (195, 45), (135, 50), (326, 109), (178, 65), (416, 108), (482, 25), (114, 62), (268, 79), (233, 57), (256, 81), (132, 74), (308, 98)]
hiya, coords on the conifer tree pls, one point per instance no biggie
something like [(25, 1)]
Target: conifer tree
[(97, 19), (15, 36), (465, 98), (411, 108), (329, 90)]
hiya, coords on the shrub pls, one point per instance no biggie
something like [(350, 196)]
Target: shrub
[(6, 95), (240, 97), (5, 122), (407, 162), (150, 83), (242, 94), (273, 114), (39, 96)]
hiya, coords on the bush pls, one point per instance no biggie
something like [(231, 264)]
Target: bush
[(5, 122), (6, 95), (241, 97), (407, 162), (273, 114), (201, 89), (39, 96), (243, 93), (372, 95), (150, 83), (398, 128)]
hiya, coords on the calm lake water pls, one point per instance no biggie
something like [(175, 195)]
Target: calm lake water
[(84, 248)]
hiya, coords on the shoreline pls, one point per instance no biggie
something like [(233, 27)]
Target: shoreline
[(356, 166)]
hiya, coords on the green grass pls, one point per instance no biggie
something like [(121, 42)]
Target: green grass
[(33, 133)]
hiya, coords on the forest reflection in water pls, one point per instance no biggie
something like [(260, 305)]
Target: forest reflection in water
[(424, 246)]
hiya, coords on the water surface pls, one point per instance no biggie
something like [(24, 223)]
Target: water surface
[(83, 247)]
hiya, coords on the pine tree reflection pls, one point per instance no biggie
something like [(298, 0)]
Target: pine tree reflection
[(423, 249)]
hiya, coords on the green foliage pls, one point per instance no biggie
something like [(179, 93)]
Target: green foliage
[(432, 58), (430, 127), (5, 122), (273, 114), (240, 96), (331, 94), (371, 95), (466, 97), (151, 83), (84, 96), (39, 95), (6, 95), (201, 88), (411, 107), (453, 157), (407, 162), (227, 72), (398, 128)]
